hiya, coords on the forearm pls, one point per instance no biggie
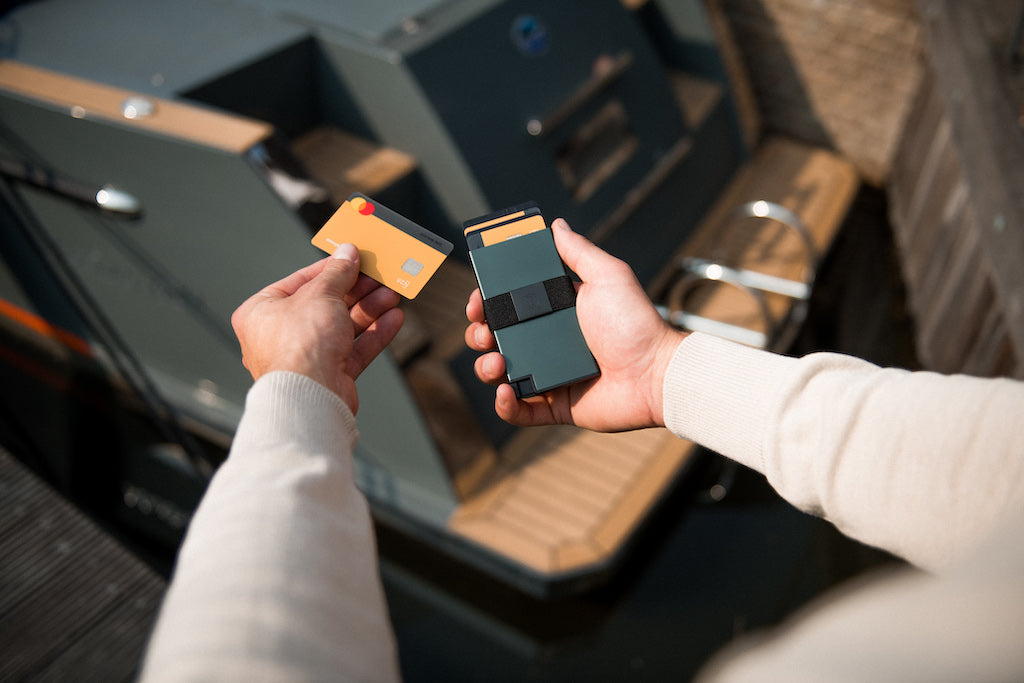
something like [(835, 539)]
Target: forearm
[(916, 463), (277, 578)]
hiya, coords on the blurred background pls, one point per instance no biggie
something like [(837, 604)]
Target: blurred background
[(796, 175)]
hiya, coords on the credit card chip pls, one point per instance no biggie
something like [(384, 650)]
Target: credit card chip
[(412, 266)]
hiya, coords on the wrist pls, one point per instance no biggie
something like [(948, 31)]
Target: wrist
[(665, 350), (294, 406), (323, 371)]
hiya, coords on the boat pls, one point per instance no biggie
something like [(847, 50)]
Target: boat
[(160, 162)]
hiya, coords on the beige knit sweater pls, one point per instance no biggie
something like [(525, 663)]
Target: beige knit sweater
[(277, 579)]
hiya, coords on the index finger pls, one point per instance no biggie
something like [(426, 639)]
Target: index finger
[(475, 307), (285, 287), (364, 286)]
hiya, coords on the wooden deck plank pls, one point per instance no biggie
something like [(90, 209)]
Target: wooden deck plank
[(74, 604), (637, 500), (512, 540), (958, 171), (587, 498), (578, 554), (813, 183), (538, 524), (560, 513), (519, 515), (345, 163)]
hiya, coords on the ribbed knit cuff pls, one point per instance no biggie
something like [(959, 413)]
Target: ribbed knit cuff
[(719, 394), (289, 407)]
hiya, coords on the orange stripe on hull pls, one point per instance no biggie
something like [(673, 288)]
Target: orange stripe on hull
[(42, 326)]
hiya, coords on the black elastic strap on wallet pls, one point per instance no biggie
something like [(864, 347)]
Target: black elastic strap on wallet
[(531, 301)]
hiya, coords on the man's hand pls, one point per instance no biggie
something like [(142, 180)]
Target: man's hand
[(326, 322), (629, 340)]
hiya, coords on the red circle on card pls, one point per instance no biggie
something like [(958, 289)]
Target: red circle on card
[(366, 209)]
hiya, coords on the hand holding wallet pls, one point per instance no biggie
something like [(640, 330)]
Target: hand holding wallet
[(529, 300)]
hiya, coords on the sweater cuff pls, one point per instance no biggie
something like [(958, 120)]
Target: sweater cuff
[(292, 408), (719, 394)]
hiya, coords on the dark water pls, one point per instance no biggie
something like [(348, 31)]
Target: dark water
[(703, 574)]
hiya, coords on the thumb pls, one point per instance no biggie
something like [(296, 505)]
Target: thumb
[(341, 271), (581, 255)]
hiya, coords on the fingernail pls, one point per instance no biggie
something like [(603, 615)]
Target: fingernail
[(561, 224), (346, 251)]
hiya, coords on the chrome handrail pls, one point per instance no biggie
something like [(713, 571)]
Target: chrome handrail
[(755, 283)]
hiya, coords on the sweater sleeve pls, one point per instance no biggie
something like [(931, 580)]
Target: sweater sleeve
[(920, 464), (277, 578)]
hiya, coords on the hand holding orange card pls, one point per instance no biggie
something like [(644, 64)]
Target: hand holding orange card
[(393, 250)]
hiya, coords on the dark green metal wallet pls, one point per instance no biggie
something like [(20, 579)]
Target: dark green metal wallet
[(529, 300)]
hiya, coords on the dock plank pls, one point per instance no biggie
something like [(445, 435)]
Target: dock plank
[(74, 603)]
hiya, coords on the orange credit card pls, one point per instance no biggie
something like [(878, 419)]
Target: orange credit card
[(504, 225), (394, 251)]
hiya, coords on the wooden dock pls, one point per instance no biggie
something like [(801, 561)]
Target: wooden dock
[(957, 193), (75, 605)]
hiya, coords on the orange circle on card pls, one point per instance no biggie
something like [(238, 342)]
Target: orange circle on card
[(362, 206)]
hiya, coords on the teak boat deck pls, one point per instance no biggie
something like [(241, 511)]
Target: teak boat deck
[(816, 186)]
